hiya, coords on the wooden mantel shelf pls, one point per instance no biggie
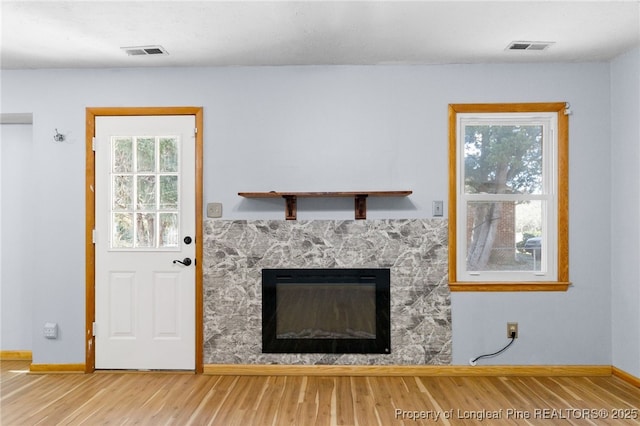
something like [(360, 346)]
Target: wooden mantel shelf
[(291, 198)]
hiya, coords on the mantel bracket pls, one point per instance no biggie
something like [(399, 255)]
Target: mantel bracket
[(291, 207), (361, 206)]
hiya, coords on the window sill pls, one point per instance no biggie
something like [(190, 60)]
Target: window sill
[(509, 286)]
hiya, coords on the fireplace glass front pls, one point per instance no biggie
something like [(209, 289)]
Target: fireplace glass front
[(326, 311)]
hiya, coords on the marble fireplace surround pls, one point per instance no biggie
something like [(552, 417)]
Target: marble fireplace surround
[(415, 250)]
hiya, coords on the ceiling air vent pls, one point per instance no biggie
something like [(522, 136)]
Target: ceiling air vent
[(144, 50), (529, 45)]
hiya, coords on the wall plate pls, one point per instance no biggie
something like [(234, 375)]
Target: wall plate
[(214, 210)]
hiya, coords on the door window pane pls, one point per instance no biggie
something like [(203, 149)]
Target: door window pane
[(145, 229), (168, 230), (168, 155), (122, 192), (168, 192), (146, 192), (122, 155), (122, 225), (146, 154)]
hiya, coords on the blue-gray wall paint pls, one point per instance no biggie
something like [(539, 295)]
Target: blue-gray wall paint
[(333, 128), (625, 211), (16, 237)]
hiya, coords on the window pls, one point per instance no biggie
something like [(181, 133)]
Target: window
[(508, 197), (144, 199)]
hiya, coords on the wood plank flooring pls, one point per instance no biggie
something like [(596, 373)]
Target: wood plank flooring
[(113, 398)]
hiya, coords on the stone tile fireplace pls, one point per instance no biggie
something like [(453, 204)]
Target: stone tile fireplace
[(414, 251)]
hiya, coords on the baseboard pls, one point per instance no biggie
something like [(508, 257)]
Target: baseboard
[(363, 370), (629, 378), (56, 368), (15, 355), (405, 370)]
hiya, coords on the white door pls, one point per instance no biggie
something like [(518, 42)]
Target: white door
[(145, 242)]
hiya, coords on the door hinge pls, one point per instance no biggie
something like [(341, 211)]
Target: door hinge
[(195, 130), (93, 329), (93, 144), (93, 236)]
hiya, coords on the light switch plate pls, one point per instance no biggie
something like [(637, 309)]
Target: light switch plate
[(438, 208), (214, 210)]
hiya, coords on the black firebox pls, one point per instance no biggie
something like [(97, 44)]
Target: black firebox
[(326, 311)]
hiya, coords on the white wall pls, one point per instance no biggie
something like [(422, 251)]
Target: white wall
[(17, 238), (625, 211), (332, 128)]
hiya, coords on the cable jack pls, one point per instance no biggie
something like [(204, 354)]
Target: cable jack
[(512, 327), (474, 361)]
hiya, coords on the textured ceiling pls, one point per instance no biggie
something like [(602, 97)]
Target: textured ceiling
[(90, 34)]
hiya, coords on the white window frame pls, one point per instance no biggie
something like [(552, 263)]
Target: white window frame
[(554, 271)]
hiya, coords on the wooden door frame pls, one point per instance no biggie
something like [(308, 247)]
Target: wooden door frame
[(90, 175)]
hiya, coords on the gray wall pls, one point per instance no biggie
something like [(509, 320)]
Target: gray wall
[(16, 237), (333, 128), (625, 211)]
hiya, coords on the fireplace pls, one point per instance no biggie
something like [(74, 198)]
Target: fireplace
[(326, 311)]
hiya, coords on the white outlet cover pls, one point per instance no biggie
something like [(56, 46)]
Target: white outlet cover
[(51, 330), (214, 210)]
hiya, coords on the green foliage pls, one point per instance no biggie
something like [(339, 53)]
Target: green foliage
[(503, 159)]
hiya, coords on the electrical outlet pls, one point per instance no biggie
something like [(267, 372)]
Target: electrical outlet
[(51, 330), (512, 327)]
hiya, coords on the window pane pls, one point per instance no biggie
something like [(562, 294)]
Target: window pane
[(168, 230), (146, 192), (503, 159), (122, 155), (122, 228), (168, 155), (146, 151), (504, 236), (145, 229), (122, 192), (168, 192)]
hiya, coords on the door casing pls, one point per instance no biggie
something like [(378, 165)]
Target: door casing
[(91, 114)]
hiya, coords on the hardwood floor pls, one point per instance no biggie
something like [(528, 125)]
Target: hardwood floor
[(115, 398)]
